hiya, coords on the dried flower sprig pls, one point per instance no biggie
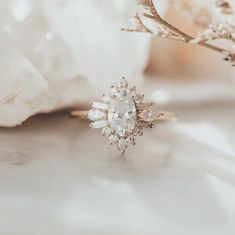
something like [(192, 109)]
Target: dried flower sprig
[(165, 29), (217, 31), (140, 27), (221, 31), (224, 6), (199, 15)]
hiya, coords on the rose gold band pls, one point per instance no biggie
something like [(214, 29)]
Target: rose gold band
[(81, 114), (161, 115)]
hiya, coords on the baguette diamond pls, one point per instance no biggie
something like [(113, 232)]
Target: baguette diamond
[(99, 105), (99, 124), (95, 114)]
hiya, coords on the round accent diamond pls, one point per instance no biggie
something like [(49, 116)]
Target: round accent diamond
[(122, 114)]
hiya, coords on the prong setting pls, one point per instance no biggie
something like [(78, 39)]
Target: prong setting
[(122, 115)]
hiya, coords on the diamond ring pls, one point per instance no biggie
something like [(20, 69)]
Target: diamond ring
[(122, 115)]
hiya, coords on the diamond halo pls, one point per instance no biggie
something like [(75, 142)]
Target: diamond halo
[(122, 115)]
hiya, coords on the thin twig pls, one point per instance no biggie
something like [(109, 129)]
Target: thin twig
[(224, 6), (187, 38), (167, 30)]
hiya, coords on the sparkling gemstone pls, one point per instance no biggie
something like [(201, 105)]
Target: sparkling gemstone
[(113, 90), (99, 124), (95, 114), (113, 139), (131, 139), (99, 105), (122, 114), (106, 131), (124, 82), (122, 145), (148, 115), (105, 98)]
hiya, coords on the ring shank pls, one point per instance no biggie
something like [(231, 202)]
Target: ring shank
[(81, 114), (161, 115), (165, 116)]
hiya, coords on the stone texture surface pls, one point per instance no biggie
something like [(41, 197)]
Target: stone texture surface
[(56, 54), (59, 177)]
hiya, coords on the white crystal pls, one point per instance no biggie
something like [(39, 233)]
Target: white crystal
[(95, 114), (47, 66), (122, 114), (99, 105), (99, 124)]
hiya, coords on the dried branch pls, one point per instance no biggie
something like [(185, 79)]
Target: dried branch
[(218, 31), (199, 16), (167, 30), (139, 26), (224, 6)]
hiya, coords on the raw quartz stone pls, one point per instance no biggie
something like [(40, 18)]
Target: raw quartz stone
[(21, 86), (77, 29), (122, 114), (57, 64)]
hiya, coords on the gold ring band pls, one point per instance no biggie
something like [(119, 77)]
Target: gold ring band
[(161, 116)]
